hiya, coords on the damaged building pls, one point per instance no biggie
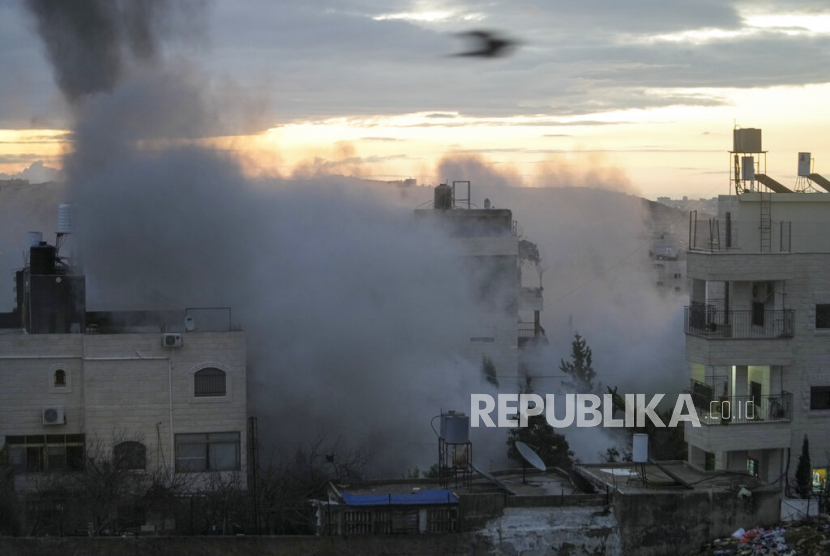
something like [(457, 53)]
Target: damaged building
[(501, 265)]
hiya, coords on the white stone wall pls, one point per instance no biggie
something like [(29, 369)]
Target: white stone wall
[(805, 358), (120, 386)]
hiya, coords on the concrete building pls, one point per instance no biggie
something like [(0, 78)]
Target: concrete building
[(488, 239), (758, 333), (152, 389)]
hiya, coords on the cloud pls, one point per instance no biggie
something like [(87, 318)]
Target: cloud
[(37, 172), (389, 139)]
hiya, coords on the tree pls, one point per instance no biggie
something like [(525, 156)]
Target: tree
[(580, 368), (804, 471), (488, 368), (553, 448)]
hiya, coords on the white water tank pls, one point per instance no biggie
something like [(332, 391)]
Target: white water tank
[(64, 218), (455, 428), (747, 168), (35, 238), (639, 453), (803, 164)]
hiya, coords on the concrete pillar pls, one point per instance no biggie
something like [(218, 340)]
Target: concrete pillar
[(741, 386)]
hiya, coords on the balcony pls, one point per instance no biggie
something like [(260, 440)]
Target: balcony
[(771, 414), (711, 322), (531, 332), (742, 410)]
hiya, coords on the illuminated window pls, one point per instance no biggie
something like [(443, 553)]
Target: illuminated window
[(752, 466), (819, 479)]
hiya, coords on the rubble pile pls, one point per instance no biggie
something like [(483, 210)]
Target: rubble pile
[(808, 538)]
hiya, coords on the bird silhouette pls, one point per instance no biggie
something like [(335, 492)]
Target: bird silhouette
[(489, 45)]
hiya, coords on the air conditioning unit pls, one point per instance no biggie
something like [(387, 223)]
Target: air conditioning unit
[(53, 415), (171, 340)]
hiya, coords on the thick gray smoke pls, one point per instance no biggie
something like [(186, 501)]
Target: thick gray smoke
[(597, 279), (352, 309), (91, 43)]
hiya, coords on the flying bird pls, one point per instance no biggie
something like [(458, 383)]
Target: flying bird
[(489, 45)]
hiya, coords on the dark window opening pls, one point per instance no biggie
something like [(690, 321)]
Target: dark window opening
[(209, 382), (820, 397), (216, 451), (823, 316), (130, 455), (39, 453), (60, 378), (709, 464), (757, 313)]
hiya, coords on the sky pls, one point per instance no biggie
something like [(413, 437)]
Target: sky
[(648, 88)]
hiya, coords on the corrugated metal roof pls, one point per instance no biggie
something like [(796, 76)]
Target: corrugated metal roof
[(421, 498)]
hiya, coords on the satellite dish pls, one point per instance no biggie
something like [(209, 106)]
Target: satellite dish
[(530, 456), (486, 203), (189, 323)]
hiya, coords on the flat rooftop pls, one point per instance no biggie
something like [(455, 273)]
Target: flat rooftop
[(663, 476), (536, 484)]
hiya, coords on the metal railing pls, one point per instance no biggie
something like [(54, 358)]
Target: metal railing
[(708, 321), (704, 392), (773, 408)]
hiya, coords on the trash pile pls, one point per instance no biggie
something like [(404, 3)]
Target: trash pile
[(808, 538)]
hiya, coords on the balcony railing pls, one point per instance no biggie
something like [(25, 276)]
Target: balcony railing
[(775, 408), (708, 321), (529, 331)]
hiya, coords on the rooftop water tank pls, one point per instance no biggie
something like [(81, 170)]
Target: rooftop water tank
[(443, 197), (455, 428), (42, 259), (803, 164), (64, 218)]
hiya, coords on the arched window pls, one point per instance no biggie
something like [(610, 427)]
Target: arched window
[(60, 379), (130, 455), (209, 383)]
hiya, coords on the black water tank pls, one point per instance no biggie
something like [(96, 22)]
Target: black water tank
[(42, 259), (443, 197)]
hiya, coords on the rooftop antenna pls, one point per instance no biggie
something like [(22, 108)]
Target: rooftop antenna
[(530, 457)]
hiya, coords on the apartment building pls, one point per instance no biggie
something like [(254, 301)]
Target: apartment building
[(501, 263), (150, 389), (758, 328)]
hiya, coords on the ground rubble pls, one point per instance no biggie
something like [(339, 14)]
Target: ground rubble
[(805, 538)]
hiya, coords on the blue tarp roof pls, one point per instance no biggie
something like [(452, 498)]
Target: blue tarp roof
[(416, 498)]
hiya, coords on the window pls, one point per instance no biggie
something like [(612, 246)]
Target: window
[(710, 461), (60, 379), (209, 383), (130, 455), (823, 316), (51, 452), (820, 397), (215, 451), (752, 466), (677, 276), (757, 313)]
